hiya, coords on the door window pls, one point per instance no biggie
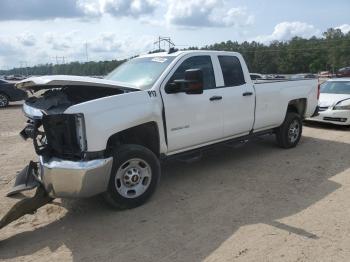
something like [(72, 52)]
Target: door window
[(231, 70), (197, 62)]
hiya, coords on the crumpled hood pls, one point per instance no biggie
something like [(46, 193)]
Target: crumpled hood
[(328, 100), (41, 82)]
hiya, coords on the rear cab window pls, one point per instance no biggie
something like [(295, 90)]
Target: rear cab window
[(231, 71)]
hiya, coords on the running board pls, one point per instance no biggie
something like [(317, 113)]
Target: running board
[(230, 142), (191, 158)]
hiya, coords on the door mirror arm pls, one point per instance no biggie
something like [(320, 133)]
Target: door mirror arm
[(173, 88)]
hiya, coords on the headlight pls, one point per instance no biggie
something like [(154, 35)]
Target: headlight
[(81, 134), (32, 112), (344, 105)]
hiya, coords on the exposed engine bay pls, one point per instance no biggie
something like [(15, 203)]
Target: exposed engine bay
[(54, 133), (57, 99)]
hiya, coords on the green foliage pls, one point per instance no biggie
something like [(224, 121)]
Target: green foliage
[(75, 68), (295, 56), (298, 55)]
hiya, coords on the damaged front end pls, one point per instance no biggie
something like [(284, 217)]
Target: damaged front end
[(27, 179), (61, 136), (65, 168)]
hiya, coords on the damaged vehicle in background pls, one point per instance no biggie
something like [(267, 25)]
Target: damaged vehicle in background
[(108, 136)]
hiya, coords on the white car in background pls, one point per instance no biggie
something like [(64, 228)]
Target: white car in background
[(255, 76), (334, 102)]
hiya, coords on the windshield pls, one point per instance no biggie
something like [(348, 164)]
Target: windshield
[(333, 87), (140, 72)]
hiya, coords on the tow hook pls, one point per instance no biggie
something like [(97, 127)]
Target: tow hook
[(27, 179)]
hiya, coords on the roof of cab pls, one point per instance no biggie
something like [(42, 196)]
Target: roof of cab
[(177, 53)]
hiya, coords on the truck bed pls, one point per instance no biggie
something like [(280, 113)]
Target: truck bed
[(272, 99)]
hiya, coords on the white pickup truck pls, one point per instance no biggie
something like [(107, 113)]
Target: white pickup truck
[(108, 135)]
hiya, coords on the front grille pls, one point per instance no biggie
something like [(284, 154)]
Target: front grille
[(61, 136), (335, 119)]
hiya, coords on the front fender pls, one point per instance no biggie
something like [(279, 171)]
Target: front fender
[(109, 115)]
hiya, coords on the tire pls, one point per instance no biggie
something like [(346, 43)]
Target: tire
[(134, 177), (4, 100), (289, 133)]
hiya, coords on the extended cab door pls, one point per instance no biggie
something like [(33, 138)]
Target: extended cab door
[(238, 96), (193, 119)]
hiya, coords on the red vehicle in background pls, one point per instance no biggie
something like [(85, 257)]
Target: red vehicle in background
[(325, 74), (344, 72)]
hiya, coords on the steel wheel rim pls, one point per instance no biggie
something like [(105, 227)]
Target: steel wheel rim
[(3, 100), (294, 131), (133, 178)]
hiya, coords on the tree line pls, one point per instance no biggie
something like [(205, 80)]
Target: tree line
[(299, 55), (75, 68)]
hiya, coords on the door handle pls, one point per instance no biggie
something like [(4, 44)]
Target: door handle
[(215, 98), (247, 93)]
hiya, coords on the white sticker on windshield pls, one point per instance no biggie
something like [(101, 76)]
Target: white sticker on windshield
[(159, 59)]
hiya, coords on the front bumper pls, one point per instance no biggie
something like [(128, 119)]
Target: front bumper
[(338, 117), (75, 179)]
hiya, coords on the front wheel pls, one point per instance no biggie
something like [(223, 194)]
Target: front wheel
[(134, 177), (289, 133)]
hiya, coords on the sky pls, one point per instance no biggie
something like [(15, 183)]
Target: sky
[(60, 31)]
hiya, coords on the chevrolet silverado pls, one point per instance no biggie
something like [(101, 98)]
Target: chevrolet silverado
[(108, 136)]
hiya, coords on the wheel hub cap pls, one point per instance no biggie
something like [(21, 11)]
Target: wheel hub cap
[(294, 130), (133, 178)]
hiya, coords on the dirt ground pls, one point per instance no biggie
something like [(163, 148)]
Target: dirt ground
[(253, 202)]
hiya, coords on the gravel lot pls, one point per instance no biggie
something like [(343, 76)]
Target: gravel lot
[(253, 202)]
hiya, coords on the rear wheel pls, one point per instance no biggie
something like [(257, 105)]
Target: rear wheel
[(289, 133), (4, 100), (134, 177)]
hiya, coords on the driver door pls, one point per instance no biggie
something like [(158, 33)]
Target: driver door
[(193, 120)]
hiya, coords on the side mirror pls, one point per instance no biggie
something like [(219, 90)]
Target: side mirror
[(192, 84)]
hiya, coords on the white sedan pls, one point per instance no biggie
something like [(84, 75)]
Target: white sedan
[(334, 102)]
